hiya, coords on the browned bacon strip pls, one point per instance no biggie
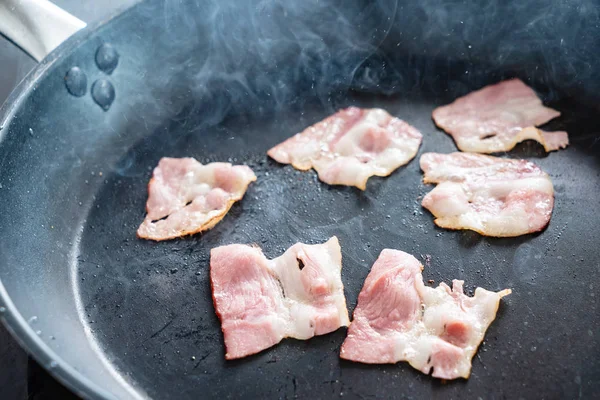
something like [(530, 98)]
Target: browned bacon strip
[(186, 197), (398, 318), (490, 195), (497, 117), (259, 301), (350, 146)]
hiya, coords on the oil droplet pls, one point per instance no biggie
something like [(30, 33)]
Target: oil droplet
[(53, 364), (2, 309), (103, 93), (76, 82), (107, 58)]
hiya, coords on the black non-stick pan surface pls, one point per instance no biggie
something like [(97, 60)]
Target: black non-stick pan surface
[(114, 316)]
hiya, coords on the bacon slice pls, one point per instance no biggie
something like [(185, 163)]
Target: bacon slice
[(497, 117), (350, 146), (259, 302), (186, 197), (398, 318), (490, 195)]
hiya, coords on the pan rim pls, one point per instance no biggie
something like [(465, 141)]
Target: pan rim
[(10, 316)]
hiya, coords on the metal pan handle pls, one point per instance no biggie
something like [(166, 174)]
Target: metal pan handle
[(36, 26)]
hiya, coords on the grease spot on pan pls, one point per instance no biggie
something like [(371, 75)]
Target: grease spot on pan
[(528, 263)]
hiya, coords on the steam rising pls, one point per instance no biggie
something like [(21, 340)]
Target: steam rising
[(271, 53), (551, 43), (235, 56)]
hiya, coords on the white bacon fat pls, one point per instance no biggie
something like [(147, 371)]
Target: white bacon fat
[(350, 146), (259, 301), (497, 117), (186, 197), (398, 318), (490, 195)]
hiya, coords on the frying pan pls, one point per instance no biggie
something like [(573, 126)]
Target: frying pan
[(112, 316)]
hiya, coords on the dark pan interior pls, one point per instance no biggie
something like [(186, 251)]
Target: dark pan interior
[(151, 305), (136, 318)]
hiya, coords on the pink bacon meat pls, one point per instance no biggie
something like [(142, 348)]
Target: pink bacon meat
[(186, 197), (260, 302), (398, 318), (490, 195), (497, 117), (350, 146)]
